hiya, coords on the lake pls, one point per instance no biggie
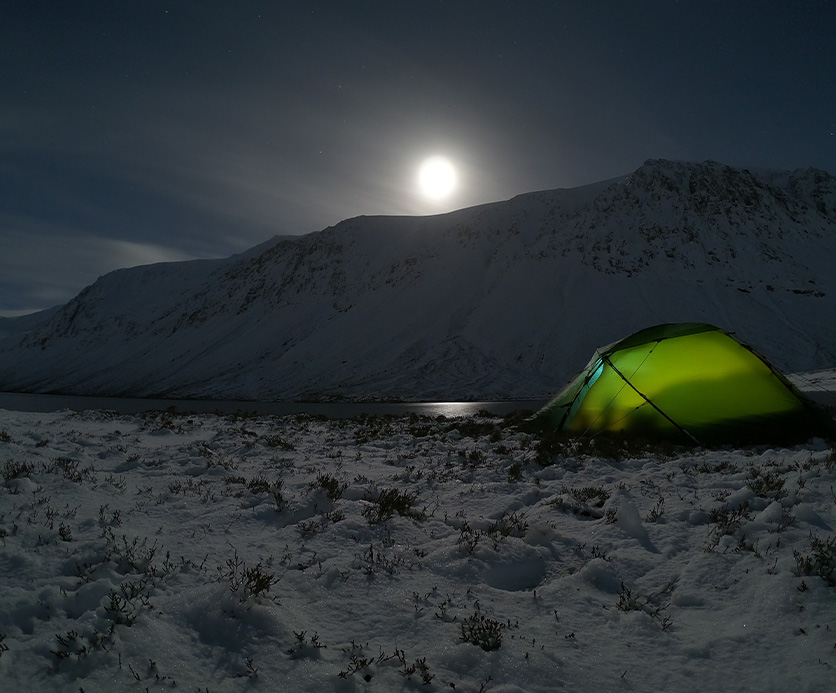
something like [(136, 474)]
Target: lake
[(126, 405)]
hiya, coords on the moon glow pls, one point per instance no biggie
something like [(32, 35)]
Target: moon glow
[(437, 177)]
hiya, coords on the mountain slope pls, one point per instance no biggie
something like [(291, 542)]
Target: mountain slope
[(502, 300)]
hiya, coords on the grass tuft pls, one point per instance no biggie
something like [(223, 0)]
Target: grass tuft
[(820, 561), (391, 501), (482, 631)]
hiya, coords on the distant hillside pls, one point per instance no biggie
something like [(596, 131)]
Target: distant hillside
[(13, 326), (505, 300)]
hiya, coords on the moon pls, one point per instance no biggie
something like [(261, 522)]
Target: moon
[(437, 177)]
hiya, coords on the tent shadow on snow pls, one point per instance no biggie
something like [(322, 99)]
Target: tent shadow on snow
[(686, 382)]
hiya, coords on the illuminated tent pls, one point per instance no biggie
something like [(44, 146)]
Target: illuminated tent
[(688, 381)]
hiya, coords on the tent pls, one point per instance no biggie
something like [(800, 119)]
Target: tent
[(687, 381)]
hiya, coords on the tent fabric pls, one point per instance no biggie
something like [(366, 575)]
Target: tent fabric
[(688, 381)]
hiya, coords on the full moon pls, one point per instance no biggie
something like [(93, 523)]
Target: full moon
[(437, 177)]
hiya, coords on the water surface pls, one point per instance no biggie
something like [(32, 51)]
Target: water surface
[(127, 405)]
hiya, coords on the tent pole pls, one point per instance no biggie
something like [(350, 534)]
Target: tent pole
[(646, 399)]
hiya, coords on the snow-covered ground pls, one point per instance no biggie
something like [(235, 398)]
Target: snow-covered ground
[(197, 552), (819, 385)]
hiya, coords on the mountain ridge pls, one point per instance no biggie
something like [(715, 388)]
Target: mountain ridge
[(504, 300)]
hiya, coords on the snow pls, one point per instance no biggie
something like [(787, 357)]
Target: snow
[(200, 552)]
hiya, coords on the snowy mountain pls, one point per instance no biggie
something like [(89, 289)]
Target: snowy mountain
[(504, 300)]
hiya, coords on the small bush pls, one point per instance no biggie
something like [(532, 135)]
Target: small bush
[(474, 458), (820, 561), (586, 501), (482, 631), (330, 485), (244, 581), (16, 470), (391, 501), (515, 472), (122, 611), (372, 562), (305, 646), (278, 442), (258, 485), (73, 471), (727, 520), (766, 484), (593, 495), (654, 605), (512, 524)]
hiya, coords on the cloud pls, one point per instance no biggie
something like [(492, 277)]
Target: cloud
[(34, 279)]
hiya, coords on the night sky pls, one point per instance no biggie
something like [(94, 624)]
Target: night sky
[(138, 131)]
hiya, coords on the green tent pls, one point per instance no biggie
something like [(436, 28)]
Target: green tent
[(684, 381)]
